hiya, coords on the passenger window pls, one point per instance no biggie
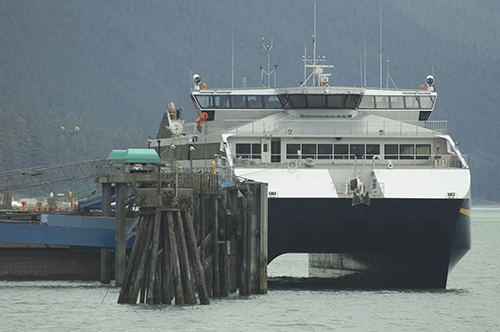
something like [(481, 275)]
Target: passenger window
[(357, 151), (308, 151), (256, 151), (239, 101), (367, 102), (391, 151), (382, 101), (406, 151), (341, 151), (324, 151), (243, 150), (292, 151), (254, 101), (397, 102), (372, 150), (272, 102), (423, 151)]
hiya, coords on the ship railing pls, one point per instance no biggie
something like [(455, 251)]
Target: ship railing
[(345, 161), (293, 125), (343, 127), (224, 171)]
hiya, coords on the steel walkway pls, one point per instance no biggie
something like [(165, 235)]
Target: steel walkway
[(47, 175)]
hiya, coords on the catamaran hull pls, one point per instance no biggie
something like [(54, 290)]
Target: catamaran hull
[(410, 243)]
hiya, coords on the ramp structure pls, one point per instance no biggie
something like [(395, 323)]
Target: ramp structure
[(47, 175)]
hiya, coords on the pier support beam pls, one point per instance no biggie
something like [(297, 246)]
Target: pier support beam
[(106, 271), (120, 248), (106, 199)]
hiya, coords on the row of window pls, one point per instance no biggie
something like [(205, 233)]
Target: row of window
[(397, 102), (247, 150), (339, 151), (238, 101), (332, 151), (340, 101), (315, 101)]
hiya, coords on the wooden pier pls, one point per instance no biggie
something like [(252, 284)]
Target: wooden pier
[(193, 237)]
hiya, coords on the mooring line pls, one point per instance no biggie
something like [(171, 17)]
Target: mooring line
[(105, 295)]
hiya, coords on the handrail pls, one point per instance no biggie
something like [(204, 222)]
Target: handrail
[(351, 161), (294, 125)]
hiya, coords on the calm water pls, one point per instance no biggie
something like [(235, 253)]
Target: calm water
[(470, 303)]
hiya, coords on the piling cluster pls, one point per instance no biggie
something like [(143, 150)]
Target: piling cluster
[(189, 253), (165, 262)]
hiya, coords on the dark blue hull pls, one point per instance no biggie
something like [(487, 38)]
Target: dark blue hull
[(411, 243)]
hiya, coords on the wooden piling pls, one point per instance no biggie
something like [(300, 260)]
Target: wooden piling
[(183, 249), (224, 259), (105, 266), (189, 295), (154, 258), (167, 276), (244, 289), (179, 294), (215, 248), (200, 274)]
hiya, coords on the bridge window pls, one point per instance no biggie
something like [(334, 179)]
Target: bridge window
[(351, 101), (382, 102), (412, 102), (316, 101), (427, 101), (238, 101), (205, 101), (272, 102), (254, 101), (340, 101), (222, 102), (367, 102), (298, 101), (397, 102), (335, 101)]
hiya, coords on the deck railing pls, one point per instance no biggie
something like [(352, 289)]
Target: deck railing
[(293, 125), (351, 161)]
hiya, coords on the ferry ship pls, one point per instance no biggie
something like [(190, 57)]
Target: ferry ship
[(358, 178)]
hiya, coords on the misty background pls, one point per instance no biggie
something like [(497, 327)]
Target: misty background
[(111, 67)]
